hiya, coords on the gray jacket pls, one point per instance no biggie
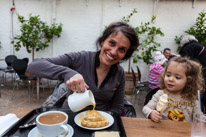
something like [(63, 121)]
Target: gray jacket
[(110, 94)]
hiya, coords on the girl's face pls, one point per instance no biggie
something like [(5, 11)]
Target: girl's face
[(114, 48), (175, 77)]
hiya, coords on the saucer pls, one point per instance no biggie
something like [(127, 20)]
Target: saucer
[(108, 116), (35, 133)]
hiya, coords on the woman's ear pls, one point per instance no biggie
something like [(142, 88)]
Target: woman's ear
[(102, 43)]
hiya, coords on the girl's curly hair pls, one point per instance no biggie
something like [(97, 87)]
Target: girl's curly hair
[(193, 74)]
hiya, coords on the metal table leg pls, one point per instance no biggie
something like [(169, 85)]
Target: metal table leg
[(37, 88)]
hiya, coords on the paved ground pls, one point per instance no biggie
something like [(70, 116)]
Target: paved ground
[(11, 100)]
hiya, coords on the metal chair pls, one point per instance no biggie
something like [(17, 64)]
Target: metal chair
[(9, 69), (139, 86), (149, 95), (20, 67)]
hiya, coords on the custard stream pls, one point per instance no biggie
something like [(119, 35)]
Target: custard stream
[(94, 105)]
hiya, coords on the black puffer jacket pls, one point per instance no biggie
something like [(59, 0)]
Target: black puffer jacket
[(195, 51), (192, 50)]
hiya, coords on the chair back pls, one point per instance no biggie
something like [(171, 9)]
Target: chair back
[(139, 73), (9, 60), (203, 102), (134, 77), (20, 66), (26, 59), (150, 94)]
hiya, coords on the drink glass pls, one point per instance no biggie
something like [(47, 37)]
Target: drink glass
[(198, 126)]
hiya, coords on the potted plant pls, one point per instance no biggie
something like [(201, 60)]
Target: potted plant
[(35, 34), (197, 30), (146, 33)]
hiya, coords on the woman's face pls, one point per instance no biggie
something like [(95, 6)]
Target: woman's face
[(114, 48), (175, 77)]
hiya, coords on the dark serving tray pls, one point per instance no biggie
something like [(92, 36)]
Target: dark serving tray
[(14, 131)]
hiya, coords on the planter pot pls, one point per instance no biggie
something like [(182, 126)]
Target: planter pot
[(129, 85)]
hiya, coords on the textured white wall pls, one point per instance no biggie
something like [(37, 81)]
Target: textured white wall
[(83, 23)]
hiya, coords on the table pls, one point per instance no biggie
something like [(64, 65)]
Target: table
[(37, 84), (141, 127), (20, 112)]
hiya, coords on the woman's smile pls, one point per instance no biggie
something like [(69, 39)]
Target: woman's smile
[(111, 58)]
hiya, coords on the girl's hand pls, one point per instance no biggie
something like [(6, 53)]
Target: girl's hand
[(155, 116), (77, 83)]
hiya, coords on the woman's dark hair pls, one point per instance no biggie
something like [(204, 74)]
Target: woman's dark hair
[(127, 30)]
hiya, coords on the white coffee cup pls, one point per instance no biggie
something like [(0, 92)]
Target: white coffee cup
[(78, 101), (52, 123)]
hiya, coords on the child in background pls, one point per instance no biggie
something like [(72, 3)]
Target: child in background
[(156, 69), (180, 81)]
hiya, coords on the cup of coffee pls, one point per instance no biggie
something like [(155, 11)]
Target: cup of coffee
[(52, 123), (78, 101)]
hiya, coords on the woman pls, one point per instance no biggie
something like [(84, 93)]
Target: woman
[(196, 51), (98, 71), (193, 49)]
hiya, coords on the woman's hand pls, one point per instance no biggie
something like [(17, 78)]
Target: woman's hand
[(155, 116), (77, 83)]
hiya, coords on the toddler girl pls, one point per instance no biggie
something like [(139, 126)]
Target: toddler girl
[(156, 69), (180, 81)]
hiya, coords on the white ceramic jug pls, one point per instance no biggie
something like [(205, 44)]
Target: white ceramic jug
[(78, 101)]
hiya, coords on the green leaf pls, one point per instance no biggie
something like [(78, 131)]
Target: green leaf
[(35, 34), (197, 30), (146, 33)]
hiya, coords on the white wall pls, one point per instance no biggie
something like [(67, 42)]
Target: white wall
[(83, 23)]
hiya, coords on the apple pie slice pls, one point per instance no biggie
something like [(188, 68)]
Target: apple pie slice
[(94, 119)]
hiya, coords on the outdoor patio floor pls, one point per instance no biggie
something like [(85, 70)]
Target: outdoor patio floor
[(11, 100)]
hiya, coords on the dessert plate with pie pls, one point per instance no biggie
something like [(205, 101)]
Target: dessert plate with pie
[(94, 120)]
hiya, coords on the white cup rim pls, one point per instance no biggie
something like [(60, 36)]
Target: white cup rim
[(47, 112)]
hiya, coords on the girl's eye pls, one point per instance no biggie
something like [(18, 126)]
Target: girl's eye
[(178, 78), (167, 75)]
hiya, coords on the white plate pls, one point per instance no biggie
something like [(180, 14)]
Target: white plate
[(35, 133), (108, 116)]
